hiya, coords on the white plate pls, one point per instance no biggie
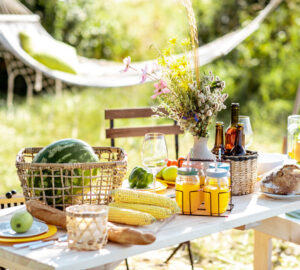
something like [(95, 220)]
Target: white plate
[(158, 185), (268, 161), (281, 197), (36, 229)]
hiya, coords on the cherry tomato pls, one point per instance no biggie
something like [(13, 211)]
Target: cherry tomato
[(174, 163), (169, 162), (180, 161)]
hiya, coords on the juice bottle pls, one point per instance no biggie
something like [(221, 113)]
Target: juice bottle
[(216, 191), (187, 190)]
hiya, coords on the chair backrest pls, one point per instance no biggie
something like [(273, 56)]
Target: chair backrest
[(112, 132), (14, 201)]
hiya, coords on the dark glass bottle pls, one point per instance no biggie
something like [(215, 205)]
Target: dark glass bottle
[(219, 140), (238, 149), (231, 130)]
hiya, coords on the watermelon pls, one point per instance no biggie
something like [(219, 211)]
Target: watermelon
[(64, 151)]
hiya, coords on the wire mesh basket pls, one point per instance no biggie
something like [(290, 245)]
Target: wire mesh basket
[(63, 184)]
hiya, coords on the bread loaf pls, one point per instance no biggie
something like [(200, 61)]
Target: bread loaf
[(46, 213), (118, 234), (282, 180)]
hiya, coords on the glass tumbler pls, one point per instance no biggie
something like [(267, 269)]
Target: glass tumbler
[(87, 226)]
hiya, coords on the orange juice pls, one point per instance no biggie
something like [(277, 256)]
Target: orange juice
[(187, 190), (190, 200), (215, 201), (216, 191)]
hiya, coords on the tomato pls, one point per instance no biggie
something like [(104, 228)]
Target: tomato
[(174, 163), (169, 163), (180, 161)]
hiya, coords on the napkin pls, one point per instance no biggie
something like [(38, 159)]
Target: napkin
[(294, 214)]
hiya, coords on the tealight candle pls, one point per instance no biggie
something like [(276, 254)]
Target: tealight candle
[(87, 226)]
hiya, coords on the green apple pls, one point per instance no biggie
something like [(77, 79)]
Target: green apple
[(21, 221), (170, 173), (160, 173)]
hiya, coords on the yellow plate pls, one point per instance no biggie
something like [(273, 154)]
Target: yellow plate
[(160, 187), (170, 183), (51, 231)]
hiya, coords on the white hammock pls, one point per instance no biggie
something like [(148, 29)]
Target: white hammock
[(102, 73)]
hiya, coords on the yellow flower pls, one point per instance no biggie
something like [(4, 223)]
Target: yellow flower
[(172, 41), (162, 61), (174, 66), (186, 42), (182, 61), (167, 52)]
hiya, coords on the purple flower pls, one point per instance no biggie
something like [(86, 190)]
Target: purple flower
[(195, 117), (144, 74), (160, 88), (127, 62)]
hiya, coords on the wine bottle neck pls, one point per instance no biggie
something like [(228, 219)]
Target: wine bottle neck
[(239, 137), (219, 136), (234, 116)]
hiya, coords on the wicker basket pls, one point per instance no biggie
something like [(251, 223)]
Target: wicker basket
[(65, 184), (243, 173)]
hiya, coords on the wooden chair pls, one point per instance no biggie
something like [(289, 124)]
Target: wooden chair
[(112, 133)]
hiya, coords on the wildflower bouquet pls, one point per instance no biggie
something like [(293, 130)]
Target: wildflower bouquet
[(190, 98)]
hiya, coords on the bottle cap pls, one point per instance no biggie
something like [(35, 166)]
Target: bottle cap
[(220, 165), (187, 171), (216, 173)]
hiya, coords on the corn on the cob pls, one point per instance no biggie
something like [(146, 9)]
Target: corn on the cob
[(132, 196), (128, 216), (156, 211)]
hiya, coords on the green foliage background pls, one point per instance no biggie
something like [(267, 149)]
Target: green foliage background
[(262, 72)]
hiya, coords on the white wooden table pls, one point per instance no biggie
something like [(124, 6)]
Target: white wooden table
[(248, 209)]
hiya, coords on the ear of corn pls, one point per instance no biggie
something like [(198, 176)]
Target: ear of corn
[(129, 217), (156, 211), (132, 196)]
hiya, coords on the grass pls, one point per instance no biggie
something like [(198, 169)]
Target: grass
[(229, 250)]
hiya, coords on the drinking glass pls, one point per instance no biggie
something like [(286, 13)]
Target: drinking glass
[(155, 153), (293, 139), (247, 130)]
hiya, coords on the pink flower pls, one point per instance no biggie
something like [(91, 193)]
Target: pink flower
[(154, 67), (144, 74), (127, 62), (160, 88)]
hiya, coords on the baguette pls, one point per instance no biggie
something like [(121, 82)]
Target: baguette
[(129, 236), (47, 213), (118, 234)]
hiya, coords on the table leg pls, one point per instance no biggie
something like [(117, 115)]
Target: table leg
[(262, 251)]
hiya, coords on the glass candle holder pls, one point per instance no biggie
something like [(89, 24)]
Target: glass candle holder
[(87, 226)]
